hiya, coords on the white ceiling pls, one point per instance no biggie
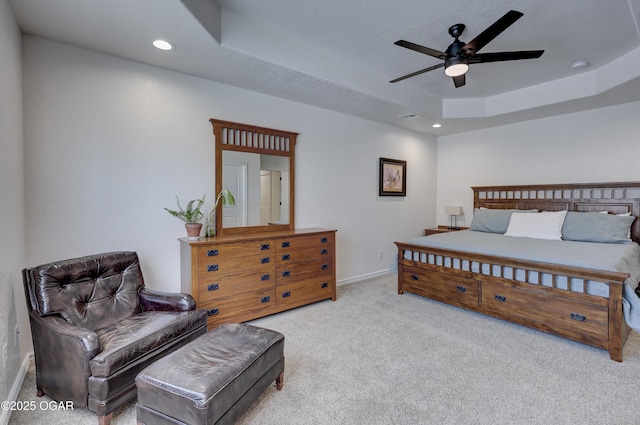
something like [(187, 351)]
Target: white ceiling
[(339, 54)]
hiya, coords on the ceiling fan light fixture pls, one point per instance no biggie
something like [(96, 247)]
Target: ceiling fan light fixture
[(454, 67)]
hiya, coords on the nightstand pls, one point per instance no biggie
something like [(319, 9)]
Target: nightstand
[(441, 229)]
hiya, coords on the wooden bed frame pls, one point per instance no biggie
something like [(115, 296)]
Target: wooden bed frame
[(578, 316)]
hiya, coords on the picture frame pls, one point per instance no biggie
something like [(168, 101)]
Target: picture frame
[(393, 177)]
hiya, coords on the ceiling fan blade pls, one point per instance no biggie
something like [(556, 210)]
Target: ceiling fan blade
[(490, 33), (418, 48), (460, 80), (505, 56), (422, 71)]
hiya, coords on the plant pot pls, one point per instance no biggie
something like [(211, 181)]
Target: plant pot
[(193, 230)]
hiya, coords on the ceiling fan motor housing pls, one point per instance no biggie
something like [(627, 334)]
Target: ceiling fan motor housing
[(454, 48), (455, 64)]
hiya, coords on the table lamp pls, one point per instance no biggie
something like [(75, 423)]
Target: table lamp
[(453, 213)]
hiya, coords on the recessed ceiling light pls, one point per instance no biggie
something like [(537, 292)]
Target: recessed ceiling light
[(436, 125), (581, 64), (163, 45)]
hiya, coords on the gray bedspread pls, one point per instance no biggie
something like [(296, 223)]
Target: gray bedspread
[(623, 258)]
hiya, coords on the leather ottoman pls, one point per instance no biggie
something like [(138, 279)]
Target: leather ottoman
[(213, 379)]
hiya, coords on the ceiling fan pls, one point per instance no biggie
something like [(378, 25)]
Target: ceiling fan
[(459, 55)]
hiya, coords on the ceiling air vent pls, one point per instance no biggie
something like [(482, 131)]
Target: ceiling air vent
[(408, 116)]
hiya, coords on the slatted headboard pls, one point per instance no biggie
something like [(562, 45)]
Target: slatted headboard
[(615, 198)]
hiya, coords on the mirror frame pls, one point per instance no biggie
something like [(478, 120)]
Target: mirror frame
[(239, 137)]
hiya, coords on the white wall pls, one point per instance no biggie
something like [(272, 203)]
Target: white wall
[(337, 182), (12, 246), (108, 142), (600, 145)]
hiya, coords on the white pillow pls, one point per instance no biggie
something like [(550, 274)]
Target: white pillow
[(545, 225), (619, 215)]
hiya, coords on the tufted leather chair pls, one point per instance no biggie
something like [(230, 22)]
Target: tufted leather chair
[(95, 326)]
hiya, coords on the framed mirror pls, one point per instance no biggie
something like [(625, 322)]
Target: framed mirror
[(256, 165)]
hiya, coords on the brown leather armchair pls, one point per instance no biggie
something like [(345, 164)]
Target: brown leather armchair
[(95, 326)]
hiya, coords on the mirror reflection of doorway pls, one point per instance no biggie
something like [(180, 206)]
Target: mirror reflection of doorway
[(270, 195), (234, 176), (259, 203)]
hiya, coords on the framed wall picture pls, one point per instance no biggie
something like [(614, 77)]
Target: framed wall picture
[(393, 177)]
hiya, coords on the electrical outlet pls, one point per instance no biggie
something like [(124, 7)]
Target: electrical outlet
[(380, 254)]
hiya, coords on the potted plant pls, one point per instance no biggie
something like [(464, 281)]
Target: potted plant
[(191, 216), (227, 198)]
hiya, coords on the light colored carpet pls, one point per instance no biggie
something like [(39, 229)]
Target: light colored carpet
[(376, 357)]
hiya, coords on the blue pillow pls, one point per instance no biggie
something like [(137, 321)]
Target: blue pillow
[(596, 227), (493, 221)]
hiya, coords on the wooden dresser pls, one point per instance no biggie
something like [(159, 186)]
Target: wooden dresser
[(240, 278)]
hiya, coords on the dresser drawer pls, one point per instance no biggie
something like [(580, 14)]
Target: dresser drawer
[(235, 249), (441, 286), (298, 242), (547, 309), (305, 254), (216, 267), (241, 307), (221, 286), (294, 272), (299, 293)]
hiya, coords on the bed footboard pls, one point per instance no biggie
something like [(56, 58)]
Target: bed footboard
[(548, 297)]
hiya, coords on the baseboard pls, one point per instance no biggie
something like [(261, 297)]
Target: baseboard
[(15, 388), (362, 277)]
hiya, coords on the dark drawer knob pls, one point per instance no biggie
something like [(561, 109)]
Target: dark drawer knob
[(265, 260), (265, 299), (286, 257), (324, 285), (579, 317), (265, 277), (461, 289), (286, 273), (414, 276), (265, 247), (212, 267), (324, 251), (212, 252), (286, 244), (212, 312), (500, 298), (324, 240), (212, 287), (286, 294), (324, 267)]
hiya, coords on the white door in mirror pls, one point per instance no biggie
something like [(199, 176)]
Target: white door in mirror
[(234, 176)]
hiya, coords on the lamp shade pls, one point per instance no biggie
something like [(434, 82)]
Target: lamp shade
[(456, 70), (453, 210), (456, 66)]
